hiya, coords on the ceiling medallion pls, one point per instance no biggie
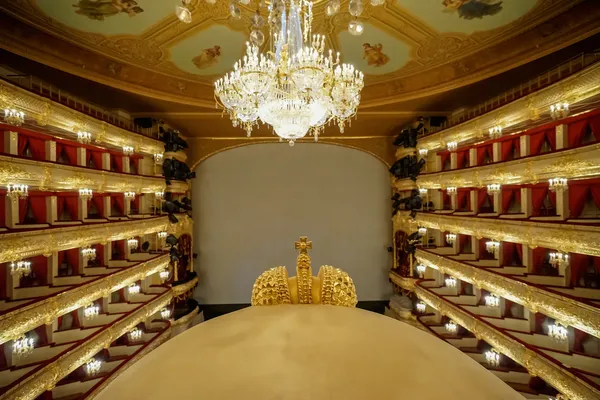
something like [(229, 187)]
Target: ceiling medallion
[(294, 87)]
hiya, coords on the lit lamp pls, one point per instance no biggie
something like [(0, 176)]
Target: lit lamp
[(164, 275), (159, 195), (421, 270), (14, 117), (421, 307), (492, 247), (85, 194), (451, 190), (132, 244), (492, 300), (91, 311), (129, 195), (135, 334), (451, 327), (422, 231), (133, 288), (127, 150), (158, 157), (20, 268), (88, 253), (492, 357), (17, 191), (452, 146), (92, 366), (559, 260), (559, 110), (423, 152), (162, 235), (450, 281), (23, 346), (558, 332), (557, 184), (84, 137), (450, 238), (165, 313), (495, 132), (423, 192), (493, 188)]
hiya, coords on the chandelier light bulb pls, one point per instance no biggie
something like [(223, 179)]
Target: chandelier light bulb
[(559, 110), (355, 7), (16, 191), (135, 334), (129, 195), (85, 193), (451, 190), (423, 152), (450, 281), (559, 260), (451, 327), (495, 132), (89, 253), (84, 137), (492, 247), (163, 275), (421, 307), (19, 269), (492, 357), (158, 157), (133, 288), (355, 28), (423, 191), (165, 313), (332, 7), (127, 150), (132, 243), (558, 332), (493, 188), (452, 146), (492, 300), (91, 311), (14, 117), (159, 195), (422, 231), (557, 184), (421, 270), (450, 238), (93, 366), (162, 235), (23, 347)]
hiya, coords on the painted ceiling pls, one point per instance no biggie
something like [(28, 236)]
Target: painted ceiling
[(409, 48)]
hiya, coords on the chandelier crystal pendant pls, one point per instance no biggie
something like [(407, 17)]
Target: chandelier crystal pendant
[(296, 87)]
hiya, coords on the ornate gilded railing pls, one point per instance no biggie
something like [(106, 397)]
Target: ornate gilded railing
[(185, 287), (581, 86), (580, 163), (538, 365), (47, 112), (46, 378), (402, 281), (186, 318), (570, 238), (20, 245), (566, 310), (14, 324)]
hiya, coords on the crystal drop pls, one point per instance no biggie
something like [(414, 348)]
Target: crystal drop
[(183, 14), (355, 7), (356, 28), (332, 7), (377, 2), (257, 20), (257, 38), (235, 11), (291, 142)]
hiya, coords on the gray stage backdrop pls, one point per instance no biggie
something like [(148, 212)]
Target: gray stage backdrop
[(251, 203)]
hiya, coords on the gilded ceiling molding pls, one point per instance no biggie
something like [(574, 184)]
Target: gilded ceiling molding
[(153, 344), (51, 176), (574, 89), (537, 365), (201, 149), (568, 238), (404, 282), (564, 309), (49, 113), (579, 163), (47, 377), (22, 320), (20, 245)]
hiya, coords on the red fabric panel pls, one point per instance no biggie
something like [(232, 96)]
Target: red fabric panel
[(482, 152), (482, 195), (59, 149), (508, 195), (23, 205), (120, 201), (508, 252), (462, 158), (96, 157), (596, 194), (578, 338), (60, 206), (22, 142), (135, 159), (100, 254), (38, 207), (507, 147), (538, 194), (577, 196), (120, 246), (539, 253), (39, 266), (71, 153), (135, 204), (72, 207), (446, 202), (98, 201), (73, 259), (463, 199), (595, 125), (519, 248), (445, 156), (2, 209), (551, 136), (576, 131), (38, 148), (536, 141), (118, 162), (462, 240), (578, 263)]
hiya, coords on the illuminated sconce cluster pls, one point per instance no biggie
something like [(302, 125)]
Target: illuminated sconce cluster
[(423, 152), (91, 311), (127, 150), (132, 244), (492, 247), (493, 188), (14, 117), (422, 231), (23, 346), (85, 194), (165, 313), (558, 332), (164, 275), (492, 300), (15, 191), (162, 235), (495, 132), (88, 253), (451, 327), (451, 190), (450, 238), (492, 357), (559, 110), (129, 195), (20, 268), (133, 288), (135, 334), (452, 146), (421, 307), (159, 195), (559, 260), (84, 137), (450, 281), (92, 366), (158, 157), (422, 191), (421, 270), (557, 184)]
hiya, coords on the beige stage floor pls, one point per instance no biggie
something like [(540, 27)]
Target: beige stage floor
[(306, 352)]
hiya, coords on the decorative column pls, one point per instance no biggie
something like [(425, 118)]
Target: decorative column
[(525, 147), (527, 258), (497, 151), (526, 204), (474, 195), (562, 203), (438, 163), (475, 247), (106, 206), (454, 200), (106, 161), (453, 161), (81, 158), (437, 199), (126, 165), (562, 136), (497, 202), (472, 157), (12, 211), (107, 252), (50, 150), (11, 142), (82, 209), (51, 210), (127, 205), (52, 267)]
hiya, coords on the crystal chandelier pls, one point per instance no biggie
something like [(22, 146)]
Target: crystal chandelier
[(158, 157), (559, 260), (296, 87), (85, 194), (127, 150), (14, 117), (129, 195), (451, 327), (132, 244), (84, 137), (355, 8), (451, 190), (92, 366), (492, 247), (159, 195), (16, 191), (558, 332), (452, 146), (183, 13), (492, 300), (492, 357), (88, 253), (91, 311), (450, 281), (22, 347), (493, 188), (162, 234), (423, 152), (559, 110), (423, 191), (421, 307), (20, 268), (164, 275), (422, 231), (165, 313), (135, 334), (133, 288), (557, 184), (495, 132), (450, 238)]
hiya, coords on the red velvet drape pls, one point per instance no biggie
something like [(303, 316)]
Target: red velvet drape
[(538, 195), (578, 192), (539, 254), (595, 125), (446, 202), (508, 252), (96, 157), (2, 209), (462, 158), (536, 140), (576, 131), (39, 267), (98, 201), (445, 157), (482, 152), (100, 254), (37, 146), (462, 241), (508, 195), (135, 162), (120, 202), (519, 248), (72, 205), (135, 204), (22, 143), (117, 161), (23, 205), (72, 256), (38, 207), (482, 196), (507, 148), (60, 206), (463, 199), (579, 264)]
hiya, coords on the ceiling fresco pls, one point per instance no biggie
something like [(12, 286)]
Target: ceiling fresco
[(409, 48)]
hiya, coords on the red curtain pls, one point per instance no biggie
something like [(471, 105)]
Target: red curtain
[(72, 207), (39, 266), (576, 131), (462, 158), (595, 125), (2, 209), (578, 192), (508, 195), (73, 259), (38, 207), (23, 206), (484, 151), (71, 153), (519, 248), (482, 196), (578, 339), (539, 254), (59, 150), (445, 156), (98, 201), (120, 246), (118, 162), (100, 254), (96, 156), (60, 206), (508, 252), (135, 160), (462, 240), (120, 200), (507, 148), (22, 144), (135, 204), (463, 199), (538, 195), (579, 264), (37, 148), (536, 140), (446, 202)]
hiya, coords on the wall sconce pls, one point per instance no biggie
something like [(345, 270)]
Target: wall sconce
[(558, 332), (421, 307), (162, 235), (165, 313), (492, 357), (23, 347), (423, 192), (133, 288), (16, 191), (452, 146), (14, 117), (132, 244), (494, 188), (557, 184), (159, 195), (559, 110), (85, 194), (158, 157), (451, 327), (450, 281), (84, 137), (88, 253), (559, 260), (492, 247), (135, 334), (451, 190), (423, 152), (20, 268), (450, 238), (127, 150), (495, 132), (421, 270), (164, 275), (422, 231), (129, 195), (92, 366), (492, 300), (91, 311)]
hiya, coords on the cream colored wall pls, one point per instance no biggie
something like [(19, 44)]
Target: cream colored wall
[(251, 203)]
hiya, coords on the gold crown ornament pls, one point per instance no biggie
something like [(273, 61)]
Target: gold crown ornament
[(331, 286)]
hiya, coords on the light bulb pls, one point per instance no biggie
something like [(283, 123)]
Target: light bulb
[(355, 28), (183, 14), (332, 7)]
